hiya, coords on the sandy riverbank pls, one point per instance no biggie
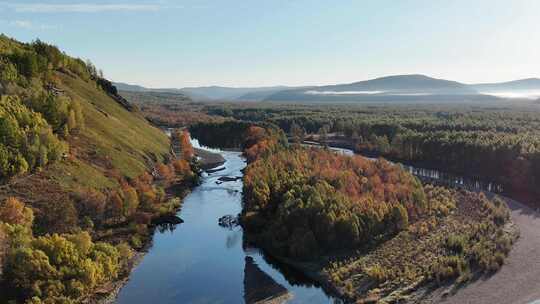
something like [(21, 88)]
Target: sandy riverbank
[(517, 281), (209, 160)]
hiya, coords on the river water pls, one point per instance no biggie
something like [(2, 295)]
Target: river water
[(202, 262)]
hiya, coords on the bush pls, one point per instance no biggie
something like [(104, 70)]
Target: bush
[(136, 242), (14, 212), (456, 243), (61, 268), (377, 273), (448, 268)]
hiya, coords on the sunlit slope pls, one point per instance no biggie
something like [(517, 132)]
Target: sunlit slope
[(114, 133)]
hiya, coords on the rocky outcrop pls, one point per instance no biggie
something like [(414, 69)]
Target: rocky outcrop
[(229, 221), (229, 178), (110, 89)]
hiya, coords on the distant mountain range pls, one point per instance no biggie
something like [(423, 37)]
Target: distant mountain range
[(398, 88), (210, 92), (522, 84)]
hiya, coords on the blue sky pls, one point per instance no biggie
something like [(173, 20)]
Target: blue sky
[(255, 43)]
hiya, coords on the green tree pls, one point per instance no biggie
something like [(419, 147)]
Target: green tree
[(297, 133)]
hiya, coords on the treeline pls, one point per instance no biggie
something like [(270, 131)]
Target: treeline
[(305, 202), (460, 139), (227, 135), (170, 109), (253, 139)]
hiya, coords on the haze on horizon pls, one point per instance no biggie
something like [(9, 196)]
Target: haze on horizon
[(193, 43)]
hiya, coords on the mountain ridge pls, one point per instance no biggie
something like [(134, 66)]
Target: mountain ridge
[(404, 87), (519, 84)]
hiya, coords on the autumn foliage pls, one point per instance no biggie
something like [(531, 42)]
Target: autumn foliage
[(14, 212), (302, 202), (258, 142), (181, 138)]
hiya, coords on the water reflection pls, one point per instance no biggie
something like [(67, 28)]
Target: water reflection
[(200, 262), (259, 287), (166, 227)]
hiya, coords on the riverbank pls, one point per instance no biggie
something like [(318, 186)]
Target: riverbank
[(517, 281), (182, 264), (108, 293), (352, 279)]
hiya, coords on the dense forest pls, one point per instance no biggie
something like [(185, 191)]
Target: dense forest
[(83, 176), (306, 202), (171, 110), (460, 139)]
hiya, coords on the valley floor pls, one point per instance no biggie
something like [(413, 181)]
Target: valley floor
[(517, 281)]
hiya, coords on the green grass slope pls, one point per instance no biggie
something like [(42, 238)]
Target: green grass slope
[(113, 132), (116, 141)]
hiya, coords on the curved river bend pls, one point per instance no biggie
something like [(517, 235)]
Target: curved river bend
[(202, 262)]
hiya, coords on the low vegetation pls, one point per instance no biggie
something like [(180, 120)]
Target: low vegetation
[(462, 236)]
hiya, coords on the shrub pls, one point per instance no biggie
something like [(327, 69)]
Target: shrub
[(14, 212), (377, 273), (136, 242), (456, 243), (61, 268), (448, 268)]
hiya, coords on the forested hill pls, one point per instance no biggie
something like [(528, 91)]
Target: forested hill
[(47, 92), (75, 159)]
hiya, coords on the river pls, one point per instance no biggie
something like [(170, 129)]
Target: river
[(202, 262)]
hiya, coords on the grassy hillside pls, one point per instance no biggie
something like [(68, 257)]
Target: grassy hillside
[(114, 132), (75, 164)]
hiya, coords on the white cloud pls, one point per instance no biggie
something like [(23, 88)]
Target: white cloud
[(29, 25), (22, 24), (80, 7)]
